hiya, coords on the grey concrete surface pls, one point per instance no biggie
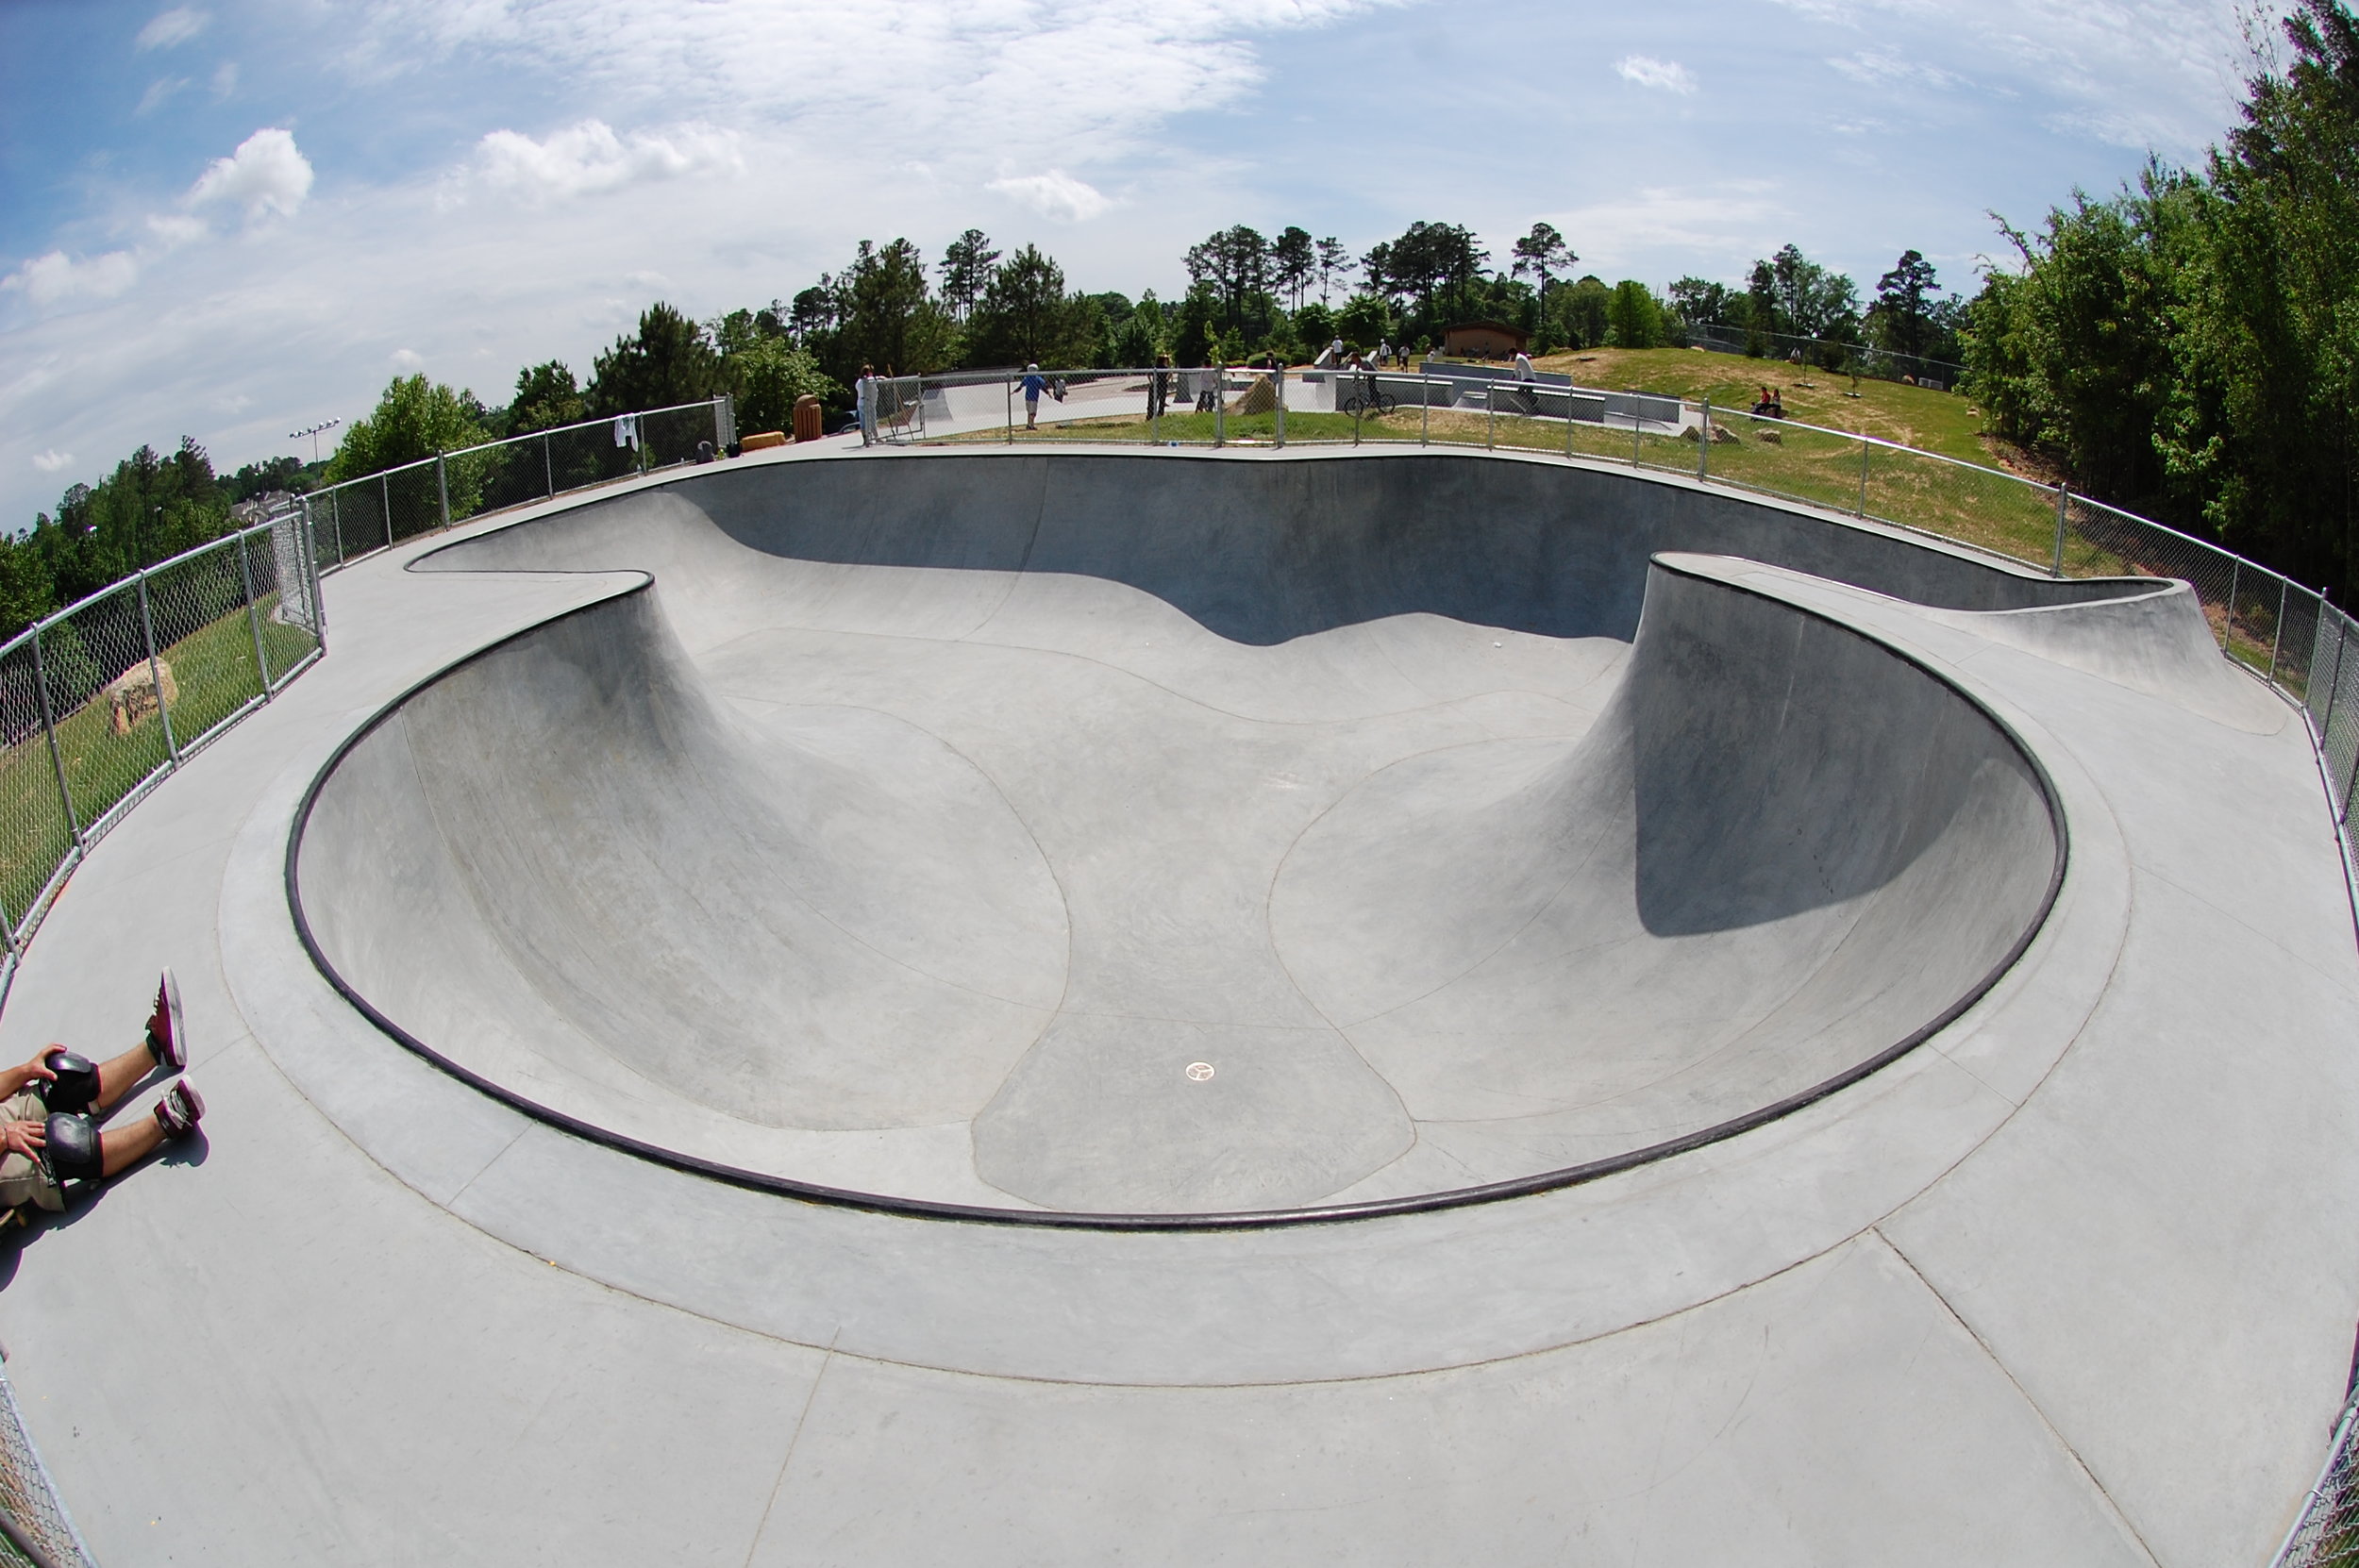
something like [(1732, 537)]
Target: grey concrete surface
[(2063, 1285)]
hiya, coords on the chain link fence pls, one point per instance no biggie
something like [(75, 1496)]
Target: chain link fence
[(358, 516), (35, 1530), (101, 700)]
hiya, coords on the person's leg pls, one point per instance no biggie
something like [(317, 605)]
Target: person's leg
[(175, 1117), (120, 1148), (119, 1075)]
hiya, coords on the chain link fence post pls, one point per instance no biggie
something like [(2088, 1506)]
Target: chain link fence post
[(2277, 637), (154, 674), (385, 490), (442, 491), (253, 617), (1861, 508), (2057, 568), (49, 728), (1703, 437)]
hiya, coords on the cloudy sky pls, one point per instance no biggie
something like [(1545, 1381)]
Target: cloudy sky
[(231, 220)]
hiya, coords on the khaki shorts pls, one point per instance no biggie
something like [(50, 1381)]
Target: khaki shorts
[(22, 1181)]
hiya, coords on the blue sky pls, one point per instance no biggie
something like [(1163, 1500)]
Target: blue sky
[(233, 220)]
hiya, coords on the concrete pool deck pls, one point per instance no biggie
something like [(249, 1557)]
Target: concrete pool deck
[(2064, 1284)]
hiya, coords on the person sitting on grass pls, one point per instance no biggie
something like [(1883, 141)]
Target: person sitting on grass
[(51, 1106)]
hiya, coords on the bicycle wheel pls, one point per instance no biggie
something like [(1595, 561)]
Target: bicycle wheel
[(1385, 403), (1353, 406)]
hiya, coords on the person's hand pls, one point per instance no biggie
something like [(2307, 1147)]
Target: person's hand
[(25, 1138), (13, 1079)]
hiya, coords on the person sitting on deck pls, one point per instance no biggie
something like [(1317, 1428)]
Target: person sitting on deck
[(53, 1104)]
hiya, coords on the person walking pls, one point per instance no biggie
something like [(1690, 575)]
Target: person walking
[(1158, 387), (1034, 384), (866, 396)]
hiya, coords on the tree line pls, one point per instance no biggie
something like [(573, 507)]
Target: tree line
[(890, 311), (2190, 347)]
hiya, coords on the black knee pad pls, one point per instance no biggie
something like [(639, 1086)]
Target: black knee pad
[(76, 1087), (73, 1148)]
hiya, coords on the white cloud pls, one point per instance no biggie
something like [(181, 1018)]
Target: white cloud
[(1646, 71), (58, 277), (225, 79), (174, 26), (408, 359), (589, 158), (267, 174), (174, 229), (1879, 67), (1055, 196), (160, 92), (49, 460), (1012, 74)]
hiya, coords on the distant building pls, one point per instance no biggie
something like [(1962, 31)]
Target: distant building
[(1484, 340)]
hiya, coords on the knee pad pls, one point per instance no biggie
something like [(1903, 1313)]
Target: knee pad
[(73, 1148), (76, 1087)]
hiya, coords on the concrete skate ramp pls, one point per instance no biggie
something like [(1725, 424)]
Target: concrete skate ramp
[(1080, 836)]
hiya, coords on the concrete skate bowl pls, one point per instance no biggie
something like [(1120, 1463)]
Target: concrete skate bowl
[(1145, 840)]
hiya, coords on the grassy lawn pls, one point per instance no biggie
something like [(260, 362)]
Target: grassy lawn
[(1946, 423), (215, 672)]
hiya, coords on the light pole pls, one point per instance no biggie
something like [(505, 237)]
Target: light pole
[(315, 433)]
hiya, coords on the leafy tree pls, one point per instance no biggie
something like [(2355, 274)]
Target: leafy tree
[(886, 316), (965, 267), (1334, 265), (1364, 321), (2089, 326), (546, 398), (1700, 302), (1436, 264), (152, 507), (262, 479), (1236, 265), (26, 590), (1025, 317), (1294, 262), (1195, 327), (1811, 301), (1904, 304), (1581, 312), (1633, 316), (2260, 434), (1542, 253), (667, 362), (1140, 337), (1314, 326), (813, 315), (1761, 308), (413, 419), (769, 375)]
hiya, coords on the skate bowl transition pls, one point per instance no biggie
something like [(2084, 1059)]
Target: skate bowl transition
[(1163, 839)]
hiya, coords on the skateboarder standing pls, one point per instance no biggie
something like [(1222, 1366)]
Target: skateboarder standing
[(50, 1108)]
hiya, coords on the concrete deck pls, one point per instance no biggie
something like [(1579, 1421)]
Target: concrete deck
[(2062, 1283)]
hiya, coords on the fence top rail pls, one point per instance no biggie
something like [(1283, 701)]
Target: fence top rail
[(511, 440)]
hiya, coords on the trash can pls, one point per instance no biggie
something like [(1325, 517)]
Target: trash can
[(806, 418)]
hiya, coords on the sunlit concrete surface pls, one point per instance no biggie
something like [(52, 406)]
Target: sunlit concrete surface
[(1954, 968)]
